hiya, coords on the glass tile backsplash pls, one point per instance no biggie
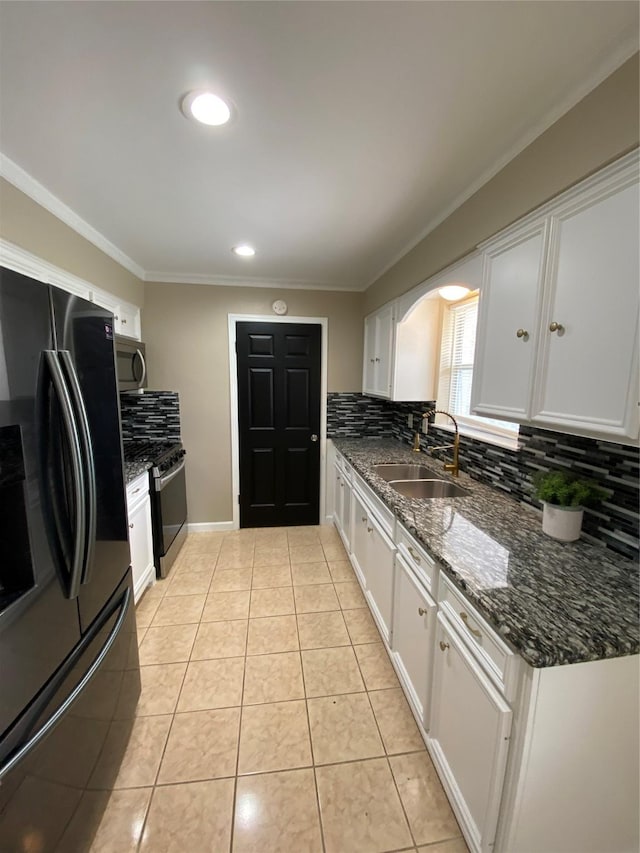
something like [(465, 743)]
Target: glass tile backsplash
[(615, 522)]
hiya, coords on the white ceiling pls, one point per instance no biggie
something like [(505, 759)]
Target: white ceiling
[(359, 125)]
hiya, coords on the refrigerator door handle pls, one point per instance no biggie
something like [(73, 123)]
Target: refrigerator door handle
[(80, 525), (16, 756), (82, 422)]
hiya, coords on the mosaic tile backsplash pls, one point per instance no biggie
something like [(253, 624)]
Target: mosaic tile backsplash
[(615, 522), (149, 416)]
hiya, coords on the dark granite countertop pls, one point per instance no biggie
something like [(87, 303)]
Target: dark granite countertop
[(134, 469), (555, 603)]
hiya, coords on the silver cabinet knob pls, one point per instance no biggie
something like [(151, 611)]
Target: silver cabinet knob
[(522, 333), (422, 611), (443, 646), (556, 327), (131, 525), (314, 437)]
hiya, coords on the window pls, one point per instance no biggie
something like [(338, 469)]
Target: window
[(457, 350)]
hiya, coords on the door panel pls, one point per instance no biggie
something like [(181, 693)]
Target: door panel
[(279, 423), (86, 331), (38, 625)]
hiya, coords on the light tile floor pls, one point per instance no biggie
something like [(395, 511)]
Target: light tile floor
[(271, 719)]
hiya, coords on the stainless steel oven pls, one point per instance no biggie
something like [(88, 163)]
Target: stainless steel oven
[(169, 508), (131, 364)]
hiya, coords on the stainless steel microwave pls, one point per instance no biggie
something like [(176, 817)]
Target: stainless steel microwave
[(130, 364)]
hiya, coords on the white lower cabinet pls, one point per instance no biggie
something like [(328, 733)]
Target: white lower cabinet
[(140, 534), (532, 760), (414, 618), (342, 501), (372, 556), (380, 571), (469, 735)]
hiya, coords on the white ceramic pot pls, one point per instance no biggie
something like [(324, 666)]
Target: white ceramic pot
[(562, 522)]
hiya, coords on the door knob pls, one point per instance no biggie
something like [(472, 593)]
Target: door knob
[(443, 646), (556, 327), (422, 611), (522, 333), (314, 437)]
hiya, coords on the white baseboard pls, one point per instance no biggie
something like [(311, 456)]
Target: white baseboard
[(210, 526)]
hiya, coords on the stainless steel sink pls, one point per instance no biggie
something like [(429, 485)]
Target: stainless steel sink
[(403, 472), (428, 489)]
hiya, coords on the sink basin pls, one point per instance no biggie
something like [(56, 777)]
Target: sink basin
[(403, 472), (428, 489)]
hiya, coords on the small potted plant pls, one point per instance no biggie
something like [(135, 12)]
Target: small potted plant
[(564, 496)]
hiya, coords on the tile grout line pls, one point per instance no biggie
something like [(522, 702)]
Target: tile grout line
[(313, 761)]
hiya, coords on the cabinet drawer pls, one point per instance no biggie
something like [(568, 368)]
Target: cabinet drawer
[(137, 490), (496, 658), (414, 554), (374, 505)]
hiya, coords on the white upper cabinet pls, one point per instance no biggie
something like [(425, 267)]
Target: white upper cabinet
[(557, 338), (378, 352), (126, 317), (402, 339), (588, 364), (510, 304)]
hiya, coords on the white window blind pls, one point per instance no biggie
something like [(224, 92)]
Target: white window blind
[(457, 351)]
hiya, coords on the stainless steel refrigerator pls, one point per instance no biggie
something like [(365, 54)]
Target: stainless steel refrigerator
[(69, 672)]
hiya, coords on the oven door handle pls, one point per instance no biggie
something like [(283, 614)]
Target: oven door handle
[(161, 482)]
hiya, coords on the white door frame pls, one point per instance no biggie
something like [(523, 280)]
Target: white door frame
[(233, 406)]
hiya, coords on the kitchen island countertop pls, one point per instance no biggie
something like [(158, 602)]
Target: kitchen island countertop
[(554, 602)]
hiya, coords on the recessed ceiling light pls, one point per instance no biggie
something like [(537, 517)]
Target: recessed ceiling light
[(244, 251), (206, 108), (453, 292)]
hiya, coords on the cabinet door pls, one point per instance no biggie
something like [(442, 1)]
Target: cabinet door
[(588, 377), (338, 487), (507, 333), (379, 571), (378, 352), (359, 538), (384, 350), (141, 545), (346, 514), (469, 735), (414, 618), (129, 321), (369, 360)]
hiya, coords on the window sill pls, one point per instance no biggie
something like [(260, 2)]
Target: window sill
[(482, 434)]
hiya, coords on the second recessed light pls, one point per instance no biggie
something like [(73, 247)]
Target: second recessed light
[(206, 108), (244, 251)]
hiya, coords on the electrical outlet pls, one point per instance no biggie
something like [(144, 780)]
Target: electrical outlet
[(410, 421)]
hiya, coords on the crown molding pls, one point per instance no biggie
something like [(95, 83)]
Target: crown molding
[(158, 277), (23, 181), (604, 70)]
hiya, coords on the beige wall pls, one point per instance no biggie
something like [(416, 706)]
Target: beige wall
[(185, 329), (602, 127), (30, 226)]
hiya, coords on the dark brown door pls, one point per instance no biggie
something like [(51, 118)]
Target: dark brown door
[(279, 423)]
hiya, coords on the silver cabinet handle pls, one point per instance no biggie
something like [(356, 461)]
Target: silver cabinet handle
[(465, 618), (314, 437), (415, 556), (522, 333), (556, 327)]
